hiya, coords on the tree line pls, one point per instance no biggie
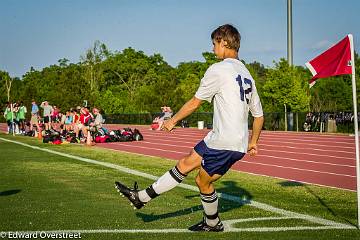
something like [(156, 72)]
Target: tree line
[(129, 81)]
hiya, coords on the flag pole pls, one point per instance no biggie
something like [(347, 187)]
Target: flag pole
[(355, 126)]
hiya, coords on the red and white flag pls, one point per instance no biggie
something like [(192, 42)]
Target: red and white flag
[(334, 61)]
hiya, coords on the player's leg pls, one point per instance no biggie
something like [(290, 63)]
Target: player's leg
[(173, 177), (46, 122), (209, 201), (215, 164), (166, 182)]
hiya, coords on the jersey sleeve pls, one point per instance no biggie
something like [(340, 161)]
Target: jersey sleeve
[(209, 85), (255, 104)]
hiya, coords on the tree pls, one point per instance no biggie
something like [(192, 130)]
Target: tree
[(7, 83), (332, 94), (287, 85), (63, 62), (91, 60)]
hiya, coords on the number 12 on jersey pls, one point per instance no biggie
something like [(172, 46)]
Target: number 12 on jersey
[(245, 88)]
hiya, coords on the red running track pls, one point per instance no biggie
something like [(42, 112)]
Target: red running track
[(327, 160)]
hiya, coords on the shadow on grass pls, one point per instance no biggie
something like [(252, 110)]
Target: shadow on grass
[(9, 192), (321, 201), (228, 187)]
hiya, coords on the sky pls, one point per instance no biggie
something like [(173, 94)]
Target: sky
[(37, 33)]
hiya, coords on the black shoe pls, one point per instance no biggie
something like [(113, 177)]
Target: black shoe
[(202, 226), (131, 194)]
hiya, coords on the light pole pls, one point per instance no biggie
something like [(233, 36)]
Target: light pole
[(285, 118), (289, 33)]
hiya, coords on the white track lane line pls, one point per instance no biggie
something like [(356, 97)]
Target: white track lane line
[(311, 149), (268, 140), (300, 169), (259, 155), (159, 143), (264, 136)]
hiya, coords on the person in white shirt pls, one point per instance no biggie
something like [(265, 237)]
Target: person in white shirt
[(48, 109), (231, 89)]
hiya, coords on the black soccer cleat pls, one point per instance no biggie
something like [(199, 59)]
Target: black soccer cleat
[(131, 194), (203, 227)]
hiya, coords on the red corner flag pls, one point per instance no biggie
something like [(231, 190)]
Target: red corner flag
[(334, 61)]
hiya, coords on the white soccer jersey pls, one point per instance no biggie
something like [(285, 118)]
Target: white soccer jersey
[(232, 89)]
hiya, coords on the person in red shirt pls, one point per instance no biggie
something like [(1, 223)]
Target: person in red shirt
[(85, 119)]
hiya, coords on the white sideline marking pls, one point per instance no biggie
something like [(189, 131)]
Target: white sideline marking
[(329, 224), (180, 230), (227, 228)]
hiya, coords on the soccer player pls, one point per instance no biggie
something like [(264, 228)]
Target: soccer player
[(229, 85)]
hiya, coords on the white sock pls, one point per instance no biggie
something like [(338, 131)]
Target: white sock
[(165, 183), (210, 204)]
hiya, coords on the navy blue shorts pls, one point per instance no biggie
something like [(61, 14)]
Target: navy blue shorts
[(217, 161)]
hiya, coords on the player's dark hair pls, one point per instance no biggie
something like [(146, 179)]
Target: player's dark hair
[(229, 34)]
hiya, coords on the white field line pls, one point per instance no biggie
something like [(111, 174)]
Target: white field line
[(174, 230), (229, 197), (228, 227)]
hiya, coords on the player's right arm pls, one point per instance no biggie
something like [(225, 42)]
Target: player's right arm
[(209, 86), (188, 108)]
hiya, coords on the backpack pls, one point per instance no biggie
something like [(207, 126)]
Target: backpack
[(137, 135), (154, 126), (102, 139), (127, 135), (56, 140)]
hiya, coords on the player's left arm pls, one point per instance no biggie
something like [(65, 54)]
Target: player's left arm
[(188, 108), (257, 112), (256, 130)]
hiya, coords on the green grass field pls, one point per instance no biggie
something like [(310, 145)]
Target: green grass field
[(44, 191)]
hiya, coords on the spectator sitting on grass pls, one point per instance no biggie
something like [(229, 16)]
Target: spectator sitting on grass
[(85, 119), (68, 123), (99, 120), (166, 113)]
